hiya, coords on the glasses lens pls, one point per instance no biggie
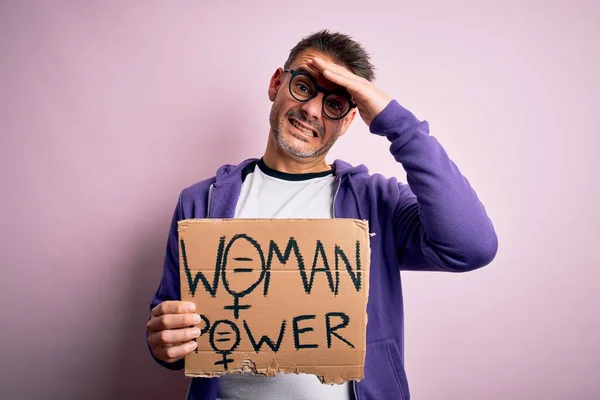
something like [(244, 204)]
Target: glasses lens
[(302, 87), (336, 106)]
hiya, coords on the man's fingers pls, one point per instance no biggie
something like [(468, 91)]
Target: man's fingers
[(333, 68), (336, 77), (173, 307), (172, 337), (339, 75), (172, 321), (173, 353)]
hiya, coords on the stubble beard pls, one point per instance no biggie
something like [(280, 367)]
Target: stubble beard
[(277, 121)]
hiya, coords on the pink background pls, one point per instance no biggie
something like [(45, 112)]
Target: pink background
[(108, 110)]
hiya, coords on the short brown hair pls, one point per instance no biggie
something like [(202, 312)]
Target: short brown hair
[(341, 48)]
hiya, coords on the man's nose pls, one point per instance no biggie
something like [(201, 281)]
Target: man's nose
[(313, 107)]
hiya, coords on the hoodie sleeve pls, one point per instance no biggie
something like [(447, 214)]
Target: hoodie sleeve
[(439, 222), (169, 287)]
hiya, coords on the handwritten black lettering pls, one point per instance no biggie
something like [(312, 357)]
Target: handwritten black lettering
[(331, 329), (203, 330), (256, 263), (214, 341), (193, 283), (298, 331), (319, 251), (355, 276), (265, 339), (237, 294), (292, 245)]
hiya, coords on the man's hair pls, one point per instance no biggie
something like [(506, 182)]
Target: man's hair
[(341, 48)]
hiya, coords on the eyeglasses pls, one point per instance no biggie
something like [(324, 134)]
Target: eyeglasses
[(303, 87)]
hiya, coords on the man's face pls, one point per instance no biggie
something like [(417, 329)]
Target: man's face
[(300, 128)]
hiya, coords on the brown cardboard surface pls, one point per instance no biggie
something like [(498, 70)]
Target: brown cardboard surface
[(277, 295)]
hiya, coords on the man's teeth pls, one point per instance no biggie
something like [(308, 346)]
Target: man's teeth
[(307, 131)]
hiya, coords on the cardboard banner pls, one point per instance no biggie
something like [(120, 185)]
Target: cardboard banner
[(277, 295)]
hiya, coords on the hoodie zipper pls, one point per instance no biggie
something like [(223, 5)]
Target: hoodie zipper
[(337, 190), (210, 200)]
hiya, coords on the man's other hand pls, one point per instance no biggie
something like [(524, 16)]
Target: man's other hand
[(369, 99)]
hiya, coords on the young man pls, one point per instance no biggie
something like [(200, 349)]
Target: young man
[(436, 222)]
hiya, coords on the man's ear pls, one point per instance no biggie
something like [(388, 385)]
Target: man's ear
[(347, 121), (275, 83)]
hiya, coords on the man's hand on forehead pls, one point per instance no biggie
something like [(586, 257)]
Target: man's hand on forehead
[(370, 100), (334, 72)]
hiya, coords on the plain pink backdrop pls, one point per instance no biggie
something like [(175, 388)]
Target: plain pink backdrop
[(108, 109)]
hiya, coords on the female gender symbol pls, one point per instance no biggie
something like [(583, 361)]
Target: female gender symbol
[(241, 273), (225, 333)]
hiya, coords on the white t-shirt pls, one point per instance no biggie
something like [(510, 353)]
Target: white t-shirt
[(267, 193)]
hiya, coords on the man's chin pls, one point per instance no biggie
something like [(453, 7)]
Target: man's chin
[(296, 150), (298, 147)]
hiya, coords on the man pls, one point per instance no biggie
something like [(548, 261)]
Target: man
[(436, 222)]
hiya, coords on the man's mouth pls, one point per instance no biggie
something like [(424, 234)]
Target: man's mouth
[(303, 128)]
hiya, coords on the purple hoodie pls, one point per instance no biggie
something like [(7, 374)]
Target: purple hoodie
[(435, 223)]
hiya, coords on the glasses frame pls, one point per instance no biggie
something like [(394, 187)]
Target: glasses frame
[(319, 89)]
